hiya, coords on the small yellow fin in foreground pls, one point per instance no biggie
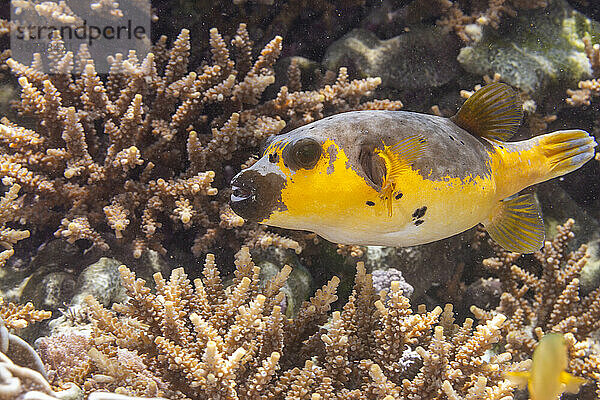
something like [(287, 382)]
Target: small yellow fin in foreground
[(520, 378), (493, 112), (517, 224), (571, 382), (398, 158)]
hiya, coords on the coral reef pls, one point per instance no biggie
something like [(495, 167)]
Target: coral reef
[(550, 52), (140, 159), (482, 13), (421, 58), (202, 340), (133, 158), (9, 204), (308, 27), (546, 298), (20, 383), (22, 375), (591, 87)]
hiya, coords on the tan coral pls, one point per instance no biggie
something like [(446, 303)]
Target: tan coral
[(482, 14), (124, 158), (19, 316), (201, 340), (218, 338), (548, 301), (588, 89), (9, 204)]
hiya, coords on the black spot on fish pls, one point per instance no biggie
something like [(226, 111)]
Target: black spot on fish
[(501, 147), (312, 127), (398, 196), (370, 203), (419, 213), (461, 142), (418, 222), (273, 158), (451, 138)]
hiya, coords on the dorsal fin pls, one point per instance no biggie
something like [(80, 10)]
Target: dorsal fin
[(398, 158), (493, 112)]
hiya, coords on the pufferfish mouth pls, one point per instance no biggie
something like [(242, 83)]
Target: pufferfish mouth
[(241, 194), (256, 196)]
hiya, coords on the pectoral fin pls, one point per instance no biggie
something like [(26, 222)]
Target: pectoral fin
[(572, 383), (517, 225), (398, 158)]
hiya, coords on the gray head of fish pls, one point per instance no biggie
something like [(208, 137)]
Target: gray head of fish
[(256, 191)]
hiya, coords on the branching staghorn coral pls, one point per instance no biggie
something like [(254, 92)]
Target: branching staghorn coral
[(131, 158), (52, 13), (9, 204), (200, 340), (203, 340), (487, 12), (589, 88), (548, 301), (19, 316)]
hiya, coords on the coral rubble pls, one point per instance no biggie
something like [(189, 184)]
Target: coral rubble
[(134, 157)]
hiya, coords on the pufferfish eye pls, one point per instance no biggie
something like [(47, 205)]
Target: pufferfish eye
[(304, 154)]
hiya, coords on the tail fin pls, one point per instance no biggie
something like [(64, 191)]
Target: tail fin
[(565, 151), (540, 158)]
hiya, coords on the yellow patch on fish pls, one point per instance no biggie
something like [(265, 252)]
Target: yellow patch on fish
[(547, 378), (402, 207)]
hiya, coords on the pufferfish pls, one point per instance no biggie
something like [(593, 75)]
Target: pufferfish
[(547, 378), (398, 178)]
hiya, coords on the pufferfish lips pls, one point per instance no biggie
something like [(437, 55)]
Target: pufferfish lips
[(257, 190)]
